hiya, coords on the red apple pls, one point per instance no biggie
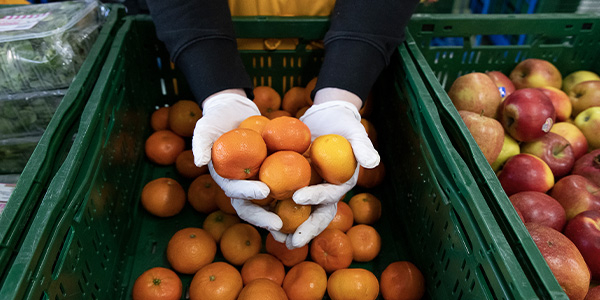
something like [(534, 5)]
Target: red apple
[(561, 102), (538, 207), (588, 166), (563, 258), (487, 132), (576, 194), (575, 137), (502, 81), (527, 114), (584, 231), (525, 172), (475, 92), (593, 293), (585, 95), (533, 72), (554, 150)]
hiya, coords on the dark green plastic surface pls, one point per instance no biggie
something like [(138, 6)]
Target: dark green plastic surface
[(53, 146), (90, 238), (569, 41)]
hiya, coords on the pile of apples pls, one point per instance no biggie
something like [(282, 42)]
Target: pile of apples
[(540, 133)]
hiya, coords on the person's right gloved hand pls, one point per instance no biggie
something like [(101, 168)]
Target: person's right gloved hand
[(221, 113)]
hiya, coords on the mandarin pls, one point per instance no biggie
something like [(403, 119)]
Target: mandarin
[(183, 116), (217, 222), (262, 289), (366, 208), (239, 242), (162, 147), (371, 131), (284, 172), (190, 249), (332, 249), (159, 120), (202, 194), (291, 214), (367, 108), (224, 202), (263, 265), (216, 281), (293, 100), (402, 280), (353, 284), (333, 158), (305, 281), (157, 283), (286, 133), (266, 99), (343, 219), (277, 113), (366, 242), (301, 111), (370, 178), (238, 153), (315, 178), (310, 86), (185, 166), (289, 257), (163, 197), (256, 123), (263, 202)]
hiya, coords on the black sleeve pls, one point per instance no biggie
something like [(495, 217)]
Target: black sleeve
[(360, 42), (200, 38)]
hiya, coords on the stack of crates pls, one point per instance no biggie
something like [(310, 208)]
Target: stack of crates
[(91, 238)]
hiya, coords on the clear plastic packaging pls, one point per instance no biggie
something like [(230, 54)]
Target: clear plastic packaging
[(29, 113), (15, 152), (47, 55)]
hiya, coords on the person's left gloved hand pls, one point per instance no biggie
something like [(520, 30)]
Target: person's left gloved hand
[(330, 117)]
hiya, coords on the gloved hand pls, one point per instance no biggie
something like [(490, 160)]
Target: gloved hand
[(330, 117), (220, 113)]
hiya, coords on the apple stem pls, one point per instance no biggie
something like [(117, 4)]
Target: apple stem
[(596, 162), (481, 114)]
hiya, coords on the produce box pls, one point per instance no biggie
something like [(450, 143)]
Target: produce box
[(91, 238), (566, 40), (43, 46), (41, 158), (27, 114)]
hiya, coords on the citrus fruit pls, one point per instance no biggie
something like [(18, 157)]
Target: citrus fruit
[(286, 133), (366, 242), (289, 257), (218, 281), (277, 113), (183, 116), (301, 111), (159, 120), (162, 147), (239, 242), (370, 178), (266, 99), (263, 265), (402, 280), (343, 219), (262, 202), (332, 249), (284, 172), (353, 284), (238, 153), (256, 123), (333, 158), (293, 100), (190, 249), (366, 208), (315, 178), (262, 289), (163, 197), (306, 280), (371, 131), (367, 108), (157, 283), (292, 215), (217, 222), (185, 166), (224, 202), (310, 86), (202, 193)]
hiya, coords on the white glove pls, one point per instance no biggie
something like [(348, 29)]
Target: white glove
[(318, 220)]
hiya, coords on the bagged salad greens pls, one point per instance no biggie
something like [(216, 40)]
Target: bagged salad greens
[(42, 46), (29, 113)]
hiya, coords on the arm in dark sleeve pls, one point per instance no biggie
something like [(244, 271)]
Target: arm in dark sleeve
[(362, 37), (200, 38)]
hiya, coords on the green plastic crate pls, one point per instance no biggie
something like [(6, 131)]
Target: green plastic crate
[(51, 148), (91, 239), (567, 40)]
